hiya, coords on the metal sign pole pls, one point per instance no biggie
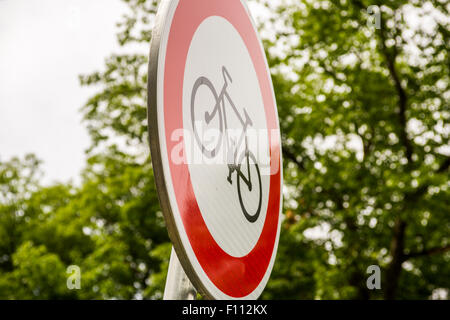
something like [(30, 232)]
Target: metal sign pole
[(178, 285)]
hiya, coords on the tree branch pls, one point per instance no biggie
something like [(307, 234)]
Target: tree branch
[(444, 166), (397, 253), (413, 196), (427, 252), (288, 154), (402, 97)]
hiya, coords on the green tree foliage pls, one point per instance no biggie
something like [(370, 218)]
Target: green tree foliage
[(365, 125), (385, 89)]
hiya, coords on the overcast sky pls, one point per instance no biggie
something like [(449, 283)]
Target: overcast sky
[(44, 46)]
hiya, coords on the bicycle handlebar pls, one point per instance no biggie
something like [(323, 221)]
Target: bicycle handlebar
[(226, 75)]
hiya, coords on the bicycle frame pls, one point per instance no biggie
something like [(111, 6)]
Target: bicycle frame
[(245, 122)]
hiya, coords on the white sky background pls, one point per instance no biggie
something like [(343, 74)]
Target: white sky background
[(44, 46)]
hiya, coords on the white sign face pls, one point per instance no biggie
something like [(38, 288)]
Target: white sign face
[(215, 145), (216, 196)]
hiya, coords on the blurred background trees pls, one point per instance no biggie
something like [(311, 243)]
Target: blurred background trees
[(364, 114)]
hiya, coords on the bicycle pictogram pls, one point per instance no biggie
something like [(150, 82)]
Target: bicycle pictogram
[(243, 163)]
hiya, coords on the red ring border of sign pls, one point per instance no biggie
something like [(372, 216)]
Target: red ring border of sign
[(224, 270)]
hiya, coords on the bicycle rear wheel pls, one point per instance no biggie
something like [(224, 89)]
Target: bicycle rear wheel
[(248, 209), (209, 151)]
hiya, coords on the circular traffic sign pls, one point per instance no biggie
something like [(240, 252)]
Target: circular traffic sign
[(215, 145)]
